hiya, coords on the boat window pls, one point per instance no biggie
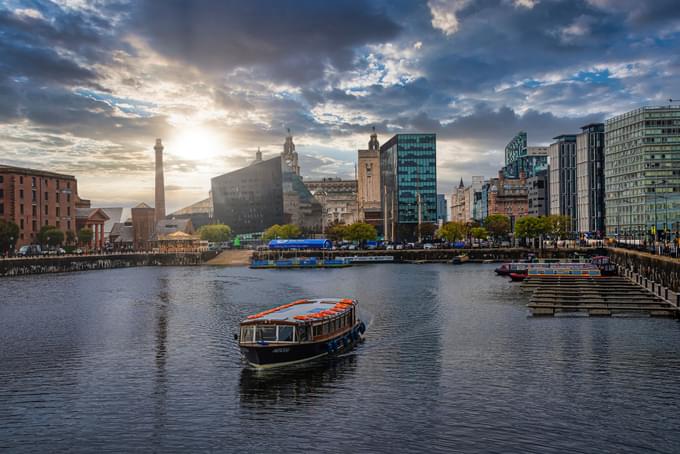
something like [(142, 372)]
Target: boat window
[(303, 333), (317, 330), (265, 333), (247, 333), (285, 334)]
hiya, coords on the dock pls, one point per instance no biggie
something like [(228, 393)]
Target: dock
[(614, 296)]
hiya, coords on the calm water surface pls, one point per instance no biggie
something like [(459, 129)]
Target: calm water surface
[(144, 360)]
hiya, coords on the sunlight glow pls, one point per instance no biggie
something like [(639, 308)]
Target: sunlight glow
[(195, 143)]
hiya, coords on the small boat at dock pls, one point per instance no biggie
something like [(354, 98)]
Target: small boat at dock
[(300, 331)]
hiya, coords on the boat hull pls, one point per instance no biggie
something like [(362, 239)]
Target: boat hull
[(276, 355)]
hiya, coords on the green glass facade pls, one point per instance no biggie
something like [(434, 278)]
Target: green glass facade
[(408, 168), (518, 158), (642, 173)]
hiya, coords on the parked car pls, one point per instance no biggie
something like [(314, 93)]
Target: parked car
[(428, 246), (30, 250), (389, 247)]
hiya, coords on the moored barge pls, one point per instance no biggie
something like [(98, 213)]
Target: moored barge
[(300, 331)]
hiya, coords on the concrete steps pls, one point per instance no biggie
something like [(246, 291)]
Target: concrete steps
[(586, 296)]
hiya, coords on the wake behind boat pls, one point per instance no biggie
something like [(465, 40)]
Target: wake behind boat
[(300, 331)]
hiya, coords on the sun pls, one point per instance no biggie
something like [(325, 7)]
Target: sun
[(195, 143)]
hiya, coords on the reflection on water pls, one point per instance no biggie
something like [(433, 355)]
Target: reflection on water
[(294, 384), (143, 360)]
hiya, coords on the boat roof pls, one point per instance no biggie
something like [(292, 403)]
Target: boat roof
[(303, 310)]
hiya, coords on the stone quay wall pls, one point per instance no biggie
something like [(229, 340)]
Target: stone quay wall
[(41, 265), (662, 271), (441, 255)]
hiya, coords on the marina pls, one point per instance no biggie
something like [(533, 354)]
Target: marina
[(151, 365), (301, 263)]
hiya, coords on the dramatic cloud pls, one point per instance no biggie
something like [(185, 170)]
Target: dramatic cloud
[(86, 87)]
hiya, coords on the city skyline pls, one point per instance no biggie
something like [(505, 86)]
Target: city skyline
[(86, 88)]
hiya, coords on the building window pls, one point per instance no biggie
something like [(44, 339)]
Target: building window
[(21, 180), (68, 198), (21, 224), (68, 211), (2, 193), (58, 224), (34, 211), (35, 197), (2, 179), (56, 197), (68, 225), (46, 210), (21, 193), (2, 208), (32, 182), (58, 210), (21, 209), (46, 196)]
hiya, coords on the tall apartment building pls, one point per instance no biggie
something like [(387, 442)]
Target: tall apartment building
[(35, 198), (442, 209), (562, 177), (408, 176), (538, 194), (507, 196), (368, 183), (642, 172), (590, 179)]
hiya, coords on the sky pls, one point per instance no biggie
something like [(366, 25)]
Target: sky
[(87, 86)]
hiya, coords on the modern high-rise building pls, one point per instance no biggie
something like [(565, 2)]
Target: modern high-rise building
[(33, 199), (563, 177), (590, 180), (642, 172), (160, 182), (408, 176), (538, 194), (442, 209), (368, 183), (521, 157)]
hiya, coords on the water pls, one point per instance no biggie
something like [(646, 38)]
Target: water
[(144, 360)]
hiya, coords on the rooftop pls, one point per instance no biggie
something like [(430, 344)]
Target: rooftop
[(35, 172), (289, 312)]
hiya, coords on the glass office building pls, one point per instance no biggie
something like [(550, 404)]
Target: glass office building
[(265, 193), (562, 177), (408, 178), (521, 158), (642, 173)]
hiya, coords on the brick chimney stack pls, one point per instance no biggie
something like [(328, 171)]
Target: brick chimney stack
[(160, 182)]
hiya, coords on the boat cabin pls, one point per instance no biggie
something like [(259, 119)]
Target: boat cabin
[(299, 322)]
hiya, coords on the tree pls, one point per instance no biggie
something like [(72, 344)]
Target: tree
[(558, 226), (530, 227), (85, 235), (50, 235), (9, 234), (71, 237), (452, 231), (498, 225), (427, 230), (479, 233), (281, 231), (215, 233), (336, 232), (360, 231)]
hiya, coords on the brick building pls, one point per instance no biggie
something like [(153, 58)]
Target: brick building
[(35, 198)]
